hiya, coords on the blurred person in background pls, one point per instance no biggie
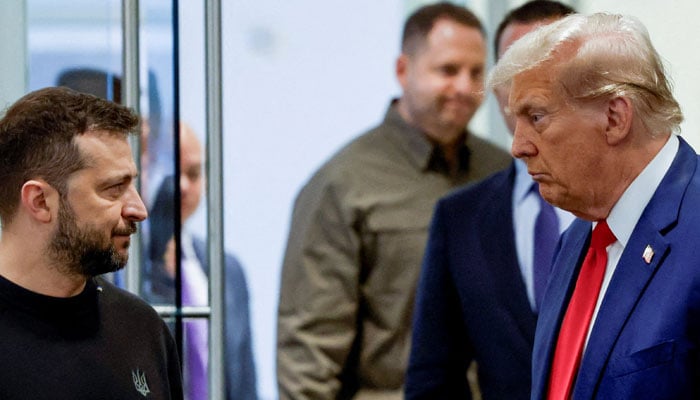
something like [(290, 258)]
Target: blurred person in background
[(159, 281), (359, 226)]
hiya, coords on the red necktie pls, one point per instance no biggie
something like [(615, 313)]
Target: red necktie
[(567, 354)]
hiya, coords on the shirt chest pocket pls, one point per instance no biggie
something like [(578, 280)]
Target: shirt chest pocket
[(393, 245)]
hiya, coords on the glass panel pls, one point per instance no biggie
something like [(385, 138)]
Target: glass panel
[(174, 188), (77, 44), (158, 166), (157, 65), (239, 367)]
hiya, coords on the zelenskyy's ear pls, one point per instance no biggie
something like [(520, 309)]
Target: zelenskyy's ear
[(39, 200)]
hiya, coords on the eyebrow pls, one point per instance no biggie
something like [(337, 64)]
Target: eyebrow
[(528, 103), (522, 109), (114, 179)]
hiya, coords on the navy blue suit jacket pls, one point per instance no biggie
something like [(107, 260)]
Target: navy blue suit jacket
[(472, 303), (645, 340), (159, 287)]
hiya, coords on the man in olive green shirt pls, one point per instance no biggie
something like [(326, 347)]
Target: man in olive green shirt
[(360, 224)]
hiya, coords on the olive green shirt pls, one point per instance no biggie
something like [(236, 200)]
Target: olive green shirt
[(353, 258)]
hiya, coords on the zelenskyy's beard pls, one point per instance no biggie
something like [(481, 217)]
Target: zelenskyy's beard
[(85, 251)]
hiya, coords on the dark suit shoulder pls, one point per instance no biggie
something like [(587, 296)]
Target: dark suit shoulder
[(496, 184), (231, 264)]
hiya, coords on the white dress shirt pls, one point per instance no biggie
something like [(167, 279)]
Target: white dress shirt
[(626, 212)]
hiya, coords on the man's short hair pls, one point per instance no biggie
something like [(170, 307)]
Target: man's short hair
[(533, 11), (421, 22), (36, 138)]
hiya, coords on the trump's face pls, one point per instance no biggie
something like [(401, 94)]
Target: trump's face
[(562, 141)]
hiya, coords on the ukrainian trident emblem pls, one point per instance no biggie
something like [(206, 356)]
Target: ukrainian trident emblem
[(140, 383)]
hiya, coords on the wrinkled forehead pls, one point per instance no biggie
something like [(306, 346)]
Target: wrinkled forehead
[(103, 145), (541, 86), (550, 72)]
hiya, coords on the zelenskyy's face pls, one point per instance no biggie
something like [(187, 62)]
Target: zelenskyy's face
[(443, 83), (563, 144), (102, 200), (84, 250)]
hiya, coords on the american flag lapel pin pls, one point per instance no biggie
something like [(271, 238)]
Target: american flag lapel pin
[(648, 254)]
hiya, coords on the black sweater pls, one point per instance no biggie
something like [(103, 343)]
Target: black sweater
[(104, 343)]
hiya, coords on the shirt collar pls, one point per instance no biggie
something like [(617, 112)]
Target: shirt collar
[(626, 212), (523, 181), (186, 244), (424, 153)]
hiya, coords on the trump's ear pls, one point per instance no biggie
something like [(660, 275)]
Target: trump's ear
[(39, 200), (619, 113)]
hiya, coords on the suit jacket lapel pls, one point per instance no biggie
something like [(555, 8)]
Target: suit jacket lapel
[(627, 285), (632, 274), (565, 270), (200, 250)]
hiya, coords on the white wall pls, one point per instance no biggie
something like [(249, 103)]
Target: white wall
[(300, 79), (13, 65)]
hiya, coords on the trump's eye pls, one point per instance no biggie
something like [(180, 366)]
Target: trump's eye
[(536, 117)]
